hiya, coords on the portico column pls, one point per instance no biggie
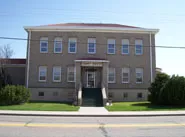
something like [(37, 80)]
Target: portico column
[(78, 75), (104, 76)]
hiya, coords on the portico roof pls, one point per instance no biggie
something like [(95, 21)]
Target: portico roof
[(91, 59)]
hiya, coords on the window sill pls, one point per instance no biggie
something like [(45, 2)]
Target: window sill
[(42, 81)]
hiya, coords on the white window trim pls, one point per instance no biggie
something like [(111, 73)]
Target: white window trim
[(128, 76), (43, 39), (141, 47), (114, 76), (136, 76), (41, 67), (122, 47), (108, 46), (74, 74), (69, 46), (60, 45), (53, 74), (94, 46)]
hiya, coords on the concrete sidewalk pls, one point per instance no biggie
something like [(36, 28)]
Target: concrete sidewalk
[(93, 114)]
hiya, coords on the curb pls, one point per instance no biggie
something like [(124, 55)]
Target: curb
[(92, 115)]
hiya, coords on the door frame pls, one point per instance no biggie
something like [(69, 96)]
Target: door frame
[(94, 74)]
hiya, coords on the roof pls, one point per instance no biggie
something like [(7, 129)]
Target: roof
[(14, 61), (90, 58), (91, 27)]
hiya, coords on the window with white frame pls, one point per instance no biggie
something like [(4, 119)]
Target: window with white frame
[(43, 45), (91, 45), (72, 45), (111, 46), (125, 46), (139, 75), (58, 45), (111, 75), (42, 73), (125, 75), (71, 74), (138, 47), (57, 74)]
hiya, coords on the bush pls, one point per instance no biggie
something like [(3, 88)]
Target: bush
[(173, 92), (156, 86), (11, 94)]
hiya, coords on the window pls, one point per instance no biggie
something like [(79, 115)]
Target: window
[(41, 94), (139, 95), (44, 45), (58, 45), (125, 46), (138, 47), (125, 75), (57, 74), (71, 74), (111, 46), (125, 95), (139, 75), (42, 73), (55, 93), (111, 75), (91, 45), (72, 45)]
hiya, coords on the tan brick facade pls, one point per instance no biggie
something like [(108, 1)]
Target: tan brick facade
[(65, 59)]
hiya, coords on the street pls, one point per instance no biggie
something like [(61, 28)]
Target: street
[(26, 126)]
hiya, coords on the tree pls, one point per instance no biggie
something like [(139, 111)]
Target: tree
[(173, 92), (5, 53), (156, 86)]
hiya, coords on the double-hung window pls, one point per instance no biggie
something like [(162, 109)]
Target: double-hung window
[(125, 46), (72, 45), (125, 75), (91, 45), (111, 46), (58, 45), (139, 75), (57, 74), (111, 75), (138, 47), (71, 74), (44, 45), (42, 73)]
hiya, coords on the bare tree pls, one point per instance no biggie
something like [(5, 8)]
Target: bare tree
[(5, 54), (6, 51)]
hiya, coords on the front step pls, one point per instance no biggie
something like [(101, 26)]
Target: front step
[(92, 97)]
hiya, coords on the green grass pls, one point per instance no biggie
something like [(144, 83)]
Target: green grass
[(141, 106), (41, 107)]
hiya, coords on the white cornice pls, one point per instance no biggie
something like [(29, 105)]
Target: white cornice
[(91, 29)]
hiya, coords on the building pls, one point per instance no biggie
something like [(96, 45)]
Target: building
[(90, 63)]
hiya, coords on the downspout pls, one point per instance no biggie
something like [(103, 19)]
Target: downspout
[(151, 65), (28, 57)]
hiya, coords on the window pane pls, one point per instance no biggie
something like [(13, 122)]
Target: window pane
[(111, 46), (72, 49), (44, 44), (42, 77), (110, 50)]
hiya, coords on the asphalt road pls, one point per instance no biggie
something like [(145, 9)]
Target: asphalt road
[(16, 126)]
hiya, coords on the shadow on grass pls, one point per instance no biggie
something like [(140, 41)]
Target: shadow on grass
[(58, 102), (151, 106)]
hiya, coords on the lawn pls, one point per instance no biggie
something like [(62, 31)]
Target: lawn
[(141, 106), (41, 107)]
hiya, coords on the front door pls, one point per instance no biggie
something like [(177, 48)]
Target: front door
[(90, 79)]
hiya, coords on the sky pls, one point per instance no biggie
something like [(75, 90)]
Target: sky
[(166, 15)]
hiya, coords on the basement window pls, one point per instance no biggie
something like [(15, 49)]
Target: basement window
[(41, 94)]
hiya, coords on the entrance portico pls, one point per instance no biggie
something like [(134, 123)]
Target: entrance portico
[(91, 73)]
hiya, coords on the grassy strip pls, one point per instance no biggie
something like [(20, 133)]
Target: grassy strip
[(141, 106)]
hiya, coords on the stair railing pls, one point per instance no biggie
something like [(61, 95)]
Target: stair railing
[(104, 95), (80, 94)]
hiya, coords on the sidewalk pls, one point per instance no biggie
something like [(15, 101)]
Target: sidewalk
[(93, 113)]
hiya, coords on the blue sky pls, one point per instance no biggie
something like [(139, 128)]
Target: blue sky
[(167, 15)]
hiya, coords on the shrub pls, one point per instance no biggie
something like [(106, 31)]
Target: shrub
[(156, 86), (11, 94), (173, 92)]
